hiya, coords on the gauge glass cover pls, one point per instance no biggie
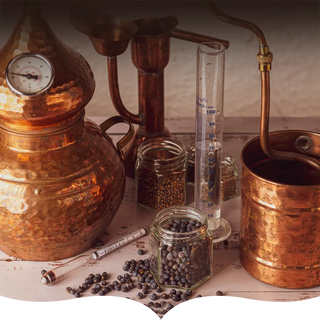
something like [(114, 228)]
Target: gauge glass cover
[(29, 75)]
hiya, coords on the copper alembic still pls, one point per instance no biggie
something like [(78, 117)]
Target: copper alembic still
[(280, 196), (150, 53), (61, 180)]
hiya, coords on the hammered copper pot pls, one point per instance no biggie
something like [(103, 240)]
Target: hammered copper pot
[(61, 178), (280, 216)]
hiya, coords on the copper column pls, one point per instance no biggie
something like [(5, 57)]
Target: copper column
[(150, 52)]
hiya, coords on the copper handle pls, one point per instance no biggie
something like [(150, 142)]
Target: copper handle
[(115, 92), (264, 59), (104, 126)]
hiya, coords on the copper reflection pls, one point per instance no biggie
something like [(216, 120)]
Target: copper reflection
[(280, 215), (73, 85), (61, 178)]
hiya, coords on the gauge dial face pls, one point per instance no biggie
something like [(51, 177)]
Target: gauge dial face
[(29, 75)]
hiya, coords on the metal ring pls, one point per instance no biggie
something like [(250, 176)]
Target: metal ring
[(304, 144)]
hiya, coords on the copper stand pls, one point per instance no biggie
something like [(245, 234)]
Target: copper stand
[(150, 51)]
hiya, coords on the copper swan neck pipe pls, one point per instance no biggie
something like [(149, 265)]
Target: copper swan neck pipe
[(264, 58), (238, 22)]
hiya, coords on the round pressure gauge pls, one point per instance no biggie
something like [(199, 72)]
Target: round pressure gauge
[(29, 75)]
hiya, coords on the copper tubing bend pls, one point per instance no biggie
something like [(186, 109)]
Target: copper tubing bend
[(115, 92), (195, 37), (264, 58), (264, 129)]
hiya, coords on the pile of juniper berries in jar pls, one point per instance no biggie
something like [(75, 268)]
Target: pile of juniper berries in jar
[(181, 261)]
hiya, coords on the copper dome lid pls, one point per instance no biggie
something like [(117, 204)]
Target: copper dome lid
[(73, 85)]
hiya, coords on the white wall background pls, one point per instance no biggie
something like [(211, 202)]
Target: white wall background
[(291, 29)]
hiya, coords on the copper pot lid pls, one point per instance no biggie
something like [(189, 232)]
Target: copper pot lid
[(73, 85)]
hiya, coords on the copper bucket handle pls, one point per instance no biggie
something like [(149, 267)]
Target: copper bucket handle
[(264, 58), (104, 126)]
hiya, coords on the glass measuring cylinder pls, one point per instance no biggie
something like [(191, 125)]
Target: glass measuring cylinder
[(209, 130)]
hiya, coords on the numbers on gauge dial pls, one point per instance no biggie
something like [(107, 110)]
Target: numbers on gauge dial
[(30, 75)]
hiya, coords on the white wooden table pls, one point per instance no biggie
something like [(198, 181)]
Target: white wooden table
[(21, 279)]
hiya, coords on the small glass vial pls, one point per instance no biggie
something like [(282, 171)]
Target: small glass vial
[(181, 248), (160, 173), (229, 178)]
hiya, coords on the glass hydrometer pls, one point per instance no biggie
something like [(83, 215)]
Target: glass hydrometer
[(209, 136), (59, 273)]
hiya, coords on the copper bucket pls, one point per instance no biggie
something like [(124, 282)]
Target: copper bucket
[(280, 216), (280, 202)]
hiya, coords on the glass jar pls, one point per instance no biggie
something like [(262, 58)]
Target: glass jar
[(160, 173), (229, 178), (191, 153), (181, 256)]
